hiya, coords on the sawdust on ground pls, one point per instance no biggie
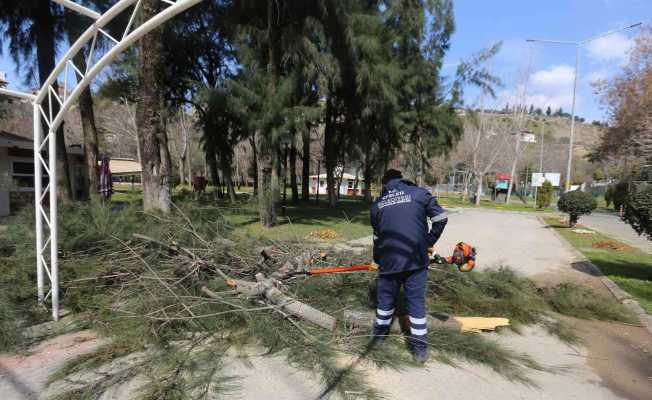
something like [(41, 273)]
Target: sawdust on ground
[(324, 234), (609, 245)]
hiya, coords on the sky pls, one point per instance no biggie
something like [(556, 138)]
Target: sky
[(545, 70)]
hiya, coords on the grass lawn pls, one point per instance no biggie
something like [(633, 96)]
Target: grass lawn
[(629, 267), (515, 205), (349, 220)]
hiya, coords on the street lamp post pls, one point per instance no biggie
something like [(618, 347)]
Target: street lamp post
[(578, 45)]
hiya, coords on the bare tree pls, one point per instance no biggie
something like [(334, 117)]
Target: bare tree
[(181, 134), (628, 99), (518, 118), (483, 142), (119, 130)]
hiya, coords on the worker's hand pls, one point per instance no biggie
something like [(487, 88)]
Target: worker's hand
[(373, 266), (431, 251)]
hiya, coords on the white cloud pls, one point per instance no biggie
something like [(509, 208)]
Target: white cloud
[(541, 100), (550, 87), (553, 77), (612, 47)]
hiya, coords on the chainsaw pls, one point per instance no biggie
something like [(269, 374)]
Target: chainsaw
[(463, 257)]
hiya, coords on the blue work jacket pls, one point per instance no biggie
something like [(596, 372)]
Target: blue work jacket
[(399, 220)]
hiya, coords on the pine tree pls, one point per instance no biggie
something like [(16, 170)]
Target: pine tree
[(154, 152)]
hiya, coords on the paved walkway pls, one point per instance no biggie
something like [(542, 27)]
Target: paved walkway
[(612, 225), (517, 240)]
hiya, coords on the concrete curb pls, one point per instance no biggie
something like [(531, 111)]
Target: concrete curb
[(622, 296)]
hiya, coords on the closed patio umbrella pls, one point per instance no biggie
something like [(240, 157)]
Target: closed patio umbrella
[(106, 184)]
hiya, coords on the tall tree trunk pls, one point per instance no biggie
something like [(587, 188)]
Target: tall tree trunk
[(338, 183), (421, 169), (155, 155), (91, 152), (254, 164), (305, 173), (513, 170), (182, 172), (266, 207), (87, 115), (230, 189), (318, 181), (45, 53), (478, 189), (225, 164), (277, 172), (330, 153), (188, 169), (367, 179), (285, 173), (268, 188), (183, 155), (293, 174), (211, 161)]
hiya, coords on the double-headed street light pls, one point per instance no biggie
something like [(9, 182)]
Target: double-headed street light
[(578, 45)]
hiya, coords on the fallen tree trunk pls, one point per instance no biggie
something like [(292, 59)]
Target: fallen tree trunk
[(263, 287)]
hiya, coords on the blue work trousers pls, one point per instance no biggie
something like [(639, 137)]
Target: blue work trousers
[(389, 287)]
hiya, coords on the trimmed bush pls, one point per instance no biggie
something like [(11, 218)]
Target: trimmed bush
[(544, 197), (619, 194), (575, 204), (638, 211)]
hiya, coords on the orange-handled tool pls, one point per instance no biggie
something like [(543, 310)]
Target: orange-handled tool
[(352, 268)]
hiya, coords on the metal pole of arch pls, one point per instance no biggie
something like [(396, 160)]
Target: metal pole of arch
[(54, 248), (47, 119), (38, 181)]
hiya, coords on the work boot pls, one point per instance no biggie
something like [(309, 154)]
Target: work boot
[(420, 356), (379, 334)]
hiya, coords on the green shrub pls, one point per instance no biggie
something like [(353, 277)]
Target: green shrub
[(638, 211), (619, 194), (10, 333), (598, 174), (544, 197), (575, 204)]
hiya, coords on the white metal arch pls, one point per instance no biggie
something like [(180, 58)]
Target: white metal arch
[(46, 234)]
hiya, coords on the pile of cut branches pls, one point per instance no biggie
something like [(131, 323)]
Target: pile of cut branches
[(178, 294), (179, 288)]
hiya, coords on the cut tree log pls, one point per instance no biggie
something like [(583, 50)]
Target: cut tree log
[(301, 263), (265, 288)]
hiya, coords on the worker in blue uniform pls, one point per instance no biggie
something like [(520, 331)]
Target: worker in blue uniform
[(399, 217)]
